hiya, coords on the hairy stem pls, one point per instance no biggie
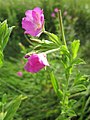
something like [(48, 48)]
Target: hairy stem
[(61, 27)]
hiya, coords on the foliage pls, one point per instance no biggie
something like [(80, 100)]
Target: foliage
[(5, 32), (42, 103), (7, 110), (70, 86), (72, 21), (85, 51)]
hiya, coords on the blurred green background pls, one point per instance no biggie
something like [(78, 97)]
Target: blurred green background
[(42, 103)]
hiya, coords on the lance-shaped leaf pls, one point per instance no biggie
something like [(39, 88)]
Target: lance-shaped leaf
[(78, 88), (54, 83), (74, 48), (77, 61), (5, 32), (1, 58), (56, 86), (53, 38), (12, 108)]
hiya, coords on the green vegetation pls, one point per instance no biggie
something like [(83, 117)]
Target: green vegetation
[(78, 12), (41, 102)]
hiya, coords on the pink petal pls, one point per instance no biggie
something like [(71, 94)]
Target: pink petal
[(28, 14), (36, 17), (28, 26), (33, 23), (27, 67), (42, 58), (38, 10), (36, 62)]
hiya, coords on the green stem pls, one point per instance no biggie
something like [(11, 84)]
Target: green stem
[(51, 51), (66, 96), (61, 27), (28, 40)]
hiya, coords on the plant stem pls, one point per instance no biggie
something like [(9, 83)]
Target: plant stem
[(28, 40), (61, 27), (51, 51)]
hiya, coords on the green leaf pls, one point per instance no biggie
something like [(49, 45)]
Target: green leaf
[(2, 115), (45, 45), (54, 83), (80, 79), (6, 37), (72, 102), (1, 58), (62, 117), (53, 38), (60, 94), (12, 108), (64, 50), (4, 99), (75, 47), (78, 88), (3, 27), (65, 55), (5, 32), (78, 61), (71, 113)]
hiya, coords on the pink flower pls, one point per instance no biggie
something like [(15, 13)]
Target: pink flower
[(36, 62), (53, 14), (19, 74), (33, 23), (56, 10)]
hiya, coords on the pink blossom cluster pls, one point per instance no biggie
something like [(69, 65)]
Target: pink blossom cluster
[(53, 14)]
